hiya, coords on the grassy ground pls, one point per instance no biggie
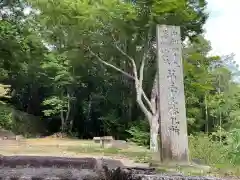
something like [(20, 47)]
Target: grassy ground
[(73, 148), (82, 148)]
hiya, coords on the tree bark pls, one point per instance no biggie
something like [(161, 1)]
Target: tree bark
[(63, 124), (154, 122), (154, 129), (206, 113)]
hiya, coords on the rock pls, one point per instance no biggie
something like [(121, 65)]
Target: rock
[(4, 134), (112, 163), (105, 141), (127, 174), (97, 139), (19, 137), (59, 135), (110, 142)]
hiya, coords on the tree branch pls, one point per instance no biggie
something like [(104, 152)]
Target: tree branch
[(154, 95), (110, 65), (141, 74), (138, 86), (68, 107), (147, 113), (138, 83), (141, 71), (131, 60)]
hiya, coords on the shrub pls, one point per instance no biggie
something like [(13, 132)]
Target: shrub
[(5, 117), (140, 133), (204, 148), (233, 146)]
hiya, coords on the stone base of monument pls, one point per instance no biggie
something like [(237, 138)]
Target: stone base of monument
[(193, 167), (190, 168)]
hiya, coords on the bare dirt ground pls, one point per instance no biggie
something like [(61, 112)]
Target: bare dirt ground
[(68, 148)]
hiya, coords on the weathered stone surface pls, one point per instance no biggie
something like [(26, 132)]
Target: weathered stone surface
[(173, 124), (110, 142), (111, 163), (104, 141), (59, 168), (41, 161), (19, 137), (49, 173), (135, 174), (4, 134), (103, 138)]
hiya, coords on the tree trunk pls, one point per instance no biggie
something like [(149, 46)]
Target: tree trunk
[(63, 123), (206, 113), (154, 121), (154, 129)]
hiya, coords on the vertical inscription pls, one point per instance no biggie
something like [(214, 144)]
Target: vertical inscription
[(170, 45), (172, 100)]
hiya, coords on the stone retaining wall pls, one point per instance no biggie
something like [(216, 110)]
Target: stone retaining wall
[(59, 168)]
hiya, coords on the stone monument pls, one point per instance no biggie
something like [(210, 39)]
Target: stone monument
[(173, 123)]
